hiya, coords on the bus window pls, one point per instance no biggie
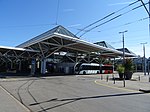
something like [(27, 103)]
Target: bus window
[(87, 68)]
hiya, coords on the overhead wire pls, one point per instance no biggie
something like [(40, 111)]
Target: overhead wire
[(111, 19), (107, 16), (125, 24), (34, 25), (37, 25)]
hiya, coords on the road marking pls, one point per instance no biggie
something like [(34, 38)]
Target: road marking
[(11, 79), (125, 89), (26, 108)]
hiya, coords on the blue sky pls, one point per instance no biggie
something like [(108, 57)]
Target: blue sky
[(21, 20)]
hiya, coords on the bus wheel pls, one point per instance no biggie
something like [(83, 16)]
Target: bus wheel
[(97, 72), (84, 72)]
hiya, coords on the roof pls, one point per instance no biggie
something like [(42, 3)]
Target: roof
[(60, 39), (59, 29), (17, 52), (104, 44), (126, 50), (16, 48)]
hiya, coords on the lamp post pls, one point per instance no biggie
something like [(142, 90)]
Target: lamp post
[(144, 63), (123, 43), (123, 52), (148, 66)]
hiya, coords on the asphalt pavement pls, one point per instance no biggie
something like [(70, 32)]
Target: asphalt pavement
[(71, 94), (9, 104)]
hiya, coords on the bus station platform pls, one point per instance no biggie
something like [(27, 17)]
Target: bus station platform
[(139, 81)]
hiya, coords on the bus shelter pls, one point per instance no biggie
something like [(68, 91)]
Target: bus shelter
[(60, 44), (11, 58)]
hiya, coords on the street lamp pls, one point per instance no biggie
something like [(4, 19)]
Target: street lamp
[(123, 43), (148, 66), (123, 52), (144, 57)]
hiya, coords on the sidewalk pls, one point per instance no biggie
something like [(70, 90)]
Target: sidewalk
[(9, 103), (138, 81)]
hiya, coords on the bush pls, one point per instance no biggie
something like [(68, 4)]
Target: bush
[(120, 68), (129, 68), (129, 65)]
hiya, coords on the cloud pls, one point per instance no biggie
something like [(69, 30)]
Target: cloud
[(121, 3), (74, 25), (68, 10)]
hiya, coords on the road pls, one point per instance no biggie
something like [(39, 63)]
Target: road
[(74, 94)]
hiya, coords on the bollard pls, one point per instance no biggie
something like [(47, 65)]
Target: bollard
[(112, 76), (101, 77), (124, 82), (149, 79), (139, 78), (107, 78), (114, 79)]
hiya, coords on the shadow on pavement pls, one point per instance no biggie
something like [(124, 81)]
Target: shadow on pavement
[(71, 100)]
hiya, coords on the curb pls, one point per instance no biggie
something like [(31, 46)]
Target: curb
[(144, 90)]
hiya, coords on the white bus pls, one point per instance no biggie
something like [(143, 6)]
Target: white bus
[(87, 68)]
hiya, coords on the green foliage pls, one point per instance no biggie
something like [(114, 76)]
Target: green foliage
[(129, 65), (120, 68), (127, 68)]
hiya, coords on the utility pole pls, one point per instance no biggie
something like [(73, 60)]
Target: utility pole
[(144, 63), (123, 52), (123, 43), (148, 66)]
